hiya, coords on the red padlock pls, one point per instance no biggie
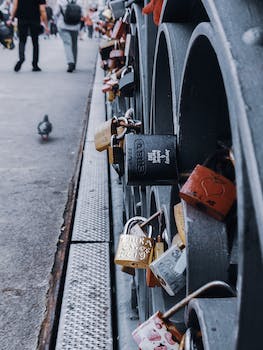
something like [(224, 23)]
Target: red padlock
[(209, 191)]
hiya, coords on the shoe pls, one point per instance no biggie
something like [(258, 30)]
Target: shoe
[(18, 66), (36, 69), (71, 67)]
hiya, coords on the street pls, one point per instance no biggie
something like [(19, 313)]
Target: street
[(35, 175)]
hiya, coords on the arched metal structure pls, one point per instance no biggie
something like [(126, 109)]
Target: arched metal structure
[(199, 77)]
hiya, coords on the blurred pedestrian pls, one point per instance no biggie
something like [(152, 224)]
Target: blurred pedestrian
[(29, 14), (69, 32), (89, 23)]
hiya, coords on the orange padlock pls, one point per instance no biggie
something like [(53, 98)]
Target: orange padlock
[(158, 250), (209, 191)]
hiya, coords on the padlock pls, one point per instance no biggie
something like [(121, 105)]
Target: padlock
[(103, 133), (209, 191), (126, 83), (158, 250), (105, 48), (158, 332), (179, 221), (170, 269), (135, 249), (112, 64), (116, 53), (117, 8), (110, 85), (120, 26), (116, 155), (111, 96), (150, 160), (129, 50)]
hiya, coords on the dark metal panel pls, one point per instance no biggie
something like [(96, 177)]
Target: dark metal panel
[(171, 46), (207, 249), (183, 11), (216, 319)]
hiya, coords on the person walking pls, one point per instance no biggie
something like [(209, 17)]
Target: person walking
[(69, 29), (29, 14), (89, 23)]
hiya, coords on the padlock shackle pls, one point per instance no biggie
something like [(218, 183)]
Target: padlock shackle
[(134, 220), (151, 218), (129, 114), (186, 300), (119, 137)]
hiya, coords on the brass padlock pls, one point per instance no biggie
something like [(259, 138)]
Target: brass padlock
[(158, 332), (135, 249), (170, 269), (103, 133), (179, 221)]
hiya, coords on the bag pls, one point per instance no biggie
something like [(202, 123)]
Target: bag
[(41, 29), (53, 28), (6, 36), (72, 14)]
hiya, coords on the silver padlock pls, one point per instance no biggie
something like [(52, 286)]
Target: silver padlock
[(170, 269)]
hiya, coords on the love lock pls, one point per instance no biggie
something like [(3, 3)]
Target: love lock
[(126, 83), (158, 332), (117, 8), (150, 160), (210, 187), (135, 249), (170, 269), (103, 134), (105, 48), (209, 191)]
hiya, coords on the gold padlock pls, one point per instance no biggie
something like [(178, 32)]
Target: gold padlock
[(179, 220), (111, 96), (103, 133), (135, 249)]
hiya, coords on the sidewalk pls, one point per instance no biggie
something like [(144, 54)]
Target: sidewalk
[(35, 177)]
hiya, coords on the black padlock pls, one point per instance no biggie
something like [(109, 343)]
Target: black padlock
[(126, 83), (117, 8), (150, 160)]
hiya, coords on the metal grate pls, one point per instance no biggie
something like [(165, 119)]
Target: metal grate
[(85, 321), (92, 213)]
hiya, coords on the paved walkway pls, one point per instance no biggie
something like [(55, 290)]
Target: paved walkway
[(35, 178)]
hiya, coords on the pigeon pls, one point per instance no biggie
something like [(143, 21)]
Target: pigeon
[(44, 128)]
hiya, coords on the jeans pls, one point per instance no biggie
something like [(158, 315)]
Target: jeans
[(24, 28), (70, 41)]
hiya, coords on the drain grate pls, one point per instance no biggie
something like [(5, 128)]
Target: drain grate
[(85, 321), (92, 213)]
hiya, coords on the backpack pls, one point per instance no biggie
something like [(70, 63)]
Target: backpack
[(72, 14)]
